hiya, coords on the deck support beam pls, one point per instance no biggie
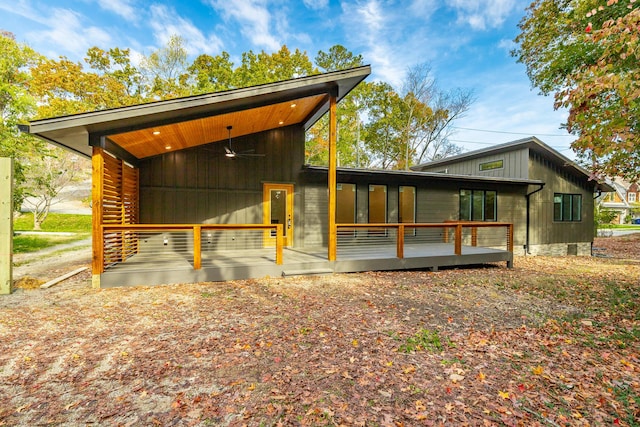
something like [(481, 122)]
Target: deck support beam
[(97, 240), (197, 247), (332, 180)]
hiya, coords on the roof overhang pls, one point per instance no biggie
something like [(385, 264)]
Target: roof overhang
[(435, 176), (154, 128)]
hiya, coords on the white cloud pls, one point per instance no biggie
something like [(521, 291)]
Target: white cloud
[(69, 33), (166, 22), (482, 14), (316, 4), (507, 45), (122, 8), (254, 20), (377, 28)]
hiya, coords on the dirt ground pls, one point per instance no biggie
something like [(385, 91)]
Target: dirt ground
[(554, 341)]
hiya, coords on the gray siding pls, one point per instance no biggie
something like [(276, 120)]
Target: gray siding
[(544, 230), (515, 165), (201, 185)]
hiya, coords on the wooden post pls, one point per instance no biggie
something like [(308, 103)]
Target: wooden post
[(279, 243), (510, 238), (445, 235), (458, 240), (474, 236), (97, 186), (6, 225), (332, 241), (197, 247), (400, 242)]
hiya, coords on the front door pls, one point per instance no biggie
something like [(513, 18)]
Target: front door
[(278, 209)]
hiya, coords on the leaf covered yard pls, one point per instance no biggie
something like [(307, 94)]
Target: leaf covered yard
[(554, 341)]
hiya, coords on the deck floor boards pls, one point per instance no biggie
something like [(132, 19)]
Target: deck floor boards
[(174, 267)]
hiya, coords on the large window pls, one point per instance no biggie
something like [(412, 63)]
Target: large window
[(377, 204), (346, 204), (567, 207), (478, 205), (407, 204)]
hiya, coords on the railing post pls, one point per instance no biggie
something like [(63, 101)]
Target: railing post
[(474, 236), (445, 235), (400, 242), (458, 240), (510, 238), (279, 243), (197, 247)]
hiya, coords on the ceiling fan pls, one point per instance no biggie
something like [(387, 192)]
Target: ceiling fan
[(230, 153)]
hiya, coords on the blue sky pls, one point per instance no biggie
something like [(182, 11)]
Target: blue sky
[(467, 43)]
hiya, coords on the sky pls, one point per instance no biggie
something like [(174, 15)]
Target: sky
[(467, 44)]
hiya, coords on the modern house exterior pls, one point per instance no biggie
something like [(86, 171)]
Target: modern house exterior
[(552, 217), (215, 187)]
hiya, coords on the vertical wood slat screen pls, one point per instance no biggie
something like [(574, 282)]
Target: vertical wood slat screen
[(120, 205)]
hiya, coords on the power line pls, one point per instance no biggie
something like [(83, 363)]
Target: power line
[(511, 133), (497, 143)]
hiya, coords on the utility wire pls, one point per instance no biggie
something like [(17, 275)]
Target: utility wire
[(511, 133), (496, 143)]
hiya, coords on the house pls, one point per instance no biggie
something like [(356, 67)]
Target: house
[(624, 200), (214, 187), (552, 217)]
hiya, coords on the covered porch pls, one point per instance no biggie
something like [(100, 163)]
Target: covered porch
[(192, 253)]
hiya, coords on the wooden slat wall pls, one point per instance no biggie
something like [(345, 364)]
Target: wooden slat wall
[(120, 205)]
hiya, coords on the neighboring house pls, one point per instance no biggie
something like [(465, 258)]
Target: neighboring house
[(554, 217), (214, 187), (624, 200)]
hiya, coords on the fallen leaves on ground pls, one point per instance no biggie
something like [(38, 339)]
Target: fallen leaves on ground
[(554, 341)]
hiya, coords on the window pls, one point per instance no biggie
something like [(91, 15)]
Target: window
[(495, 164), (632, 197), (377, 204), (567, 207), (407, 204), (346, 203), (478, 205)]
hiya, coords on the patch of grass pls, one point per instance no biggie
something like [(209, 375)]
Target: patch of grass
[(31, 243), (55, 222), (424, 339), (630, 402)]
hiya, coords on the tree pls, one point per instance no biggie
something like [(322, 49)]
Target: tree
[(428, 114), (166, 70), (16, 104), (350, 151), (262, 68), (116, 64), (587, 53), (51, 170), (338, 58), (212, 73)]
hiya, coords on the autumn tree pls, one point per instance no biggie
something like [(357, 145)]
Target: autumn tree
[(586, 52), (349, 145), (16, 104), (116, 64)]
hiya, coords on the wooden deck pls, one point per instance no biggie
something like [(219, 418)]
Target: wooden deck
[(171, 267)]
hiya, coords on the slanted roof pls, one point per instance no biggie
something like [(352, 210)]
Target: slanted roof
[(145, 130), (436, 176), (532, 143)]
